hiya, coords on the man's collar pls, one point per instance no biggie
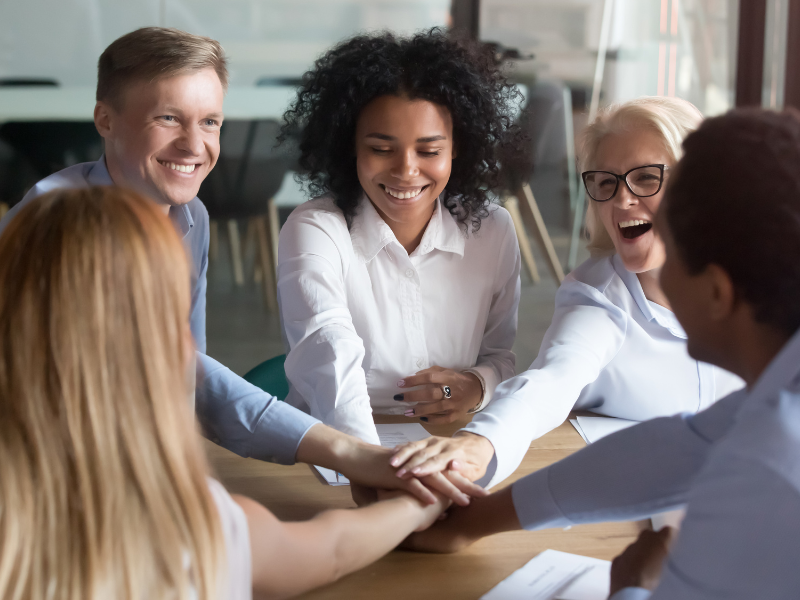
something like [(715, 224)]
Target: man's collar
[(180, 216), (370, 233)]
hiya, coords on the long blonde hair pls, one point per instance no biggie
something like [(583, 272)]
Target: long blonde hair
[(671, 118), (103, 481)]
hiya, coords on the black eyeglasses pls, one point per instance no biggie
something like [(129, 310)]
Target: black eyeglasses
[(642, 182)]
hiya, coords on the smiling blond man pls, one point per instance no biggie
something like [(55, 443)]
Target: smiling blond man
[(159, 110)]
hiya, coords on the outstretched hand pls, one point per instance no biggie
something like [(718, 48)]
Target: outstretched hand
[(368, 467), (467, 453), (641, 563), (464, 525)]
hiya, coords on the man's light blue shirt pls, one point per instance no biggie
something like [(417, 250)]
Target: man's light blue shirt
[(234, 413), (735, 465)]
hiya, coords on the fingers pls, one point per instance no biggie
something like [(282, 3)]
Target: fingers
[(465, 485), (415, 487), (435, 375), (426, 462), (433, 408), (430, 393), (406, 451), (444, 486)]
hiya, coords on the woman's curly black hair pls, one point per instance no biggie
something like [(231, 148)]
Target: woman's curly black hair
[(460, 75)]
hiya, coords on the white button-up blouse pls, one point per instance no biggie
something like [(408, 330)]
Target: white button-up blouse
[(609, 350), (359, 313)]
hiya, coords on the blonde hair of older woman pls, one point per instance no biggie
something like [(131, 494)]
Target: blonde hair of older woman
[(103, 481), (671, 118)]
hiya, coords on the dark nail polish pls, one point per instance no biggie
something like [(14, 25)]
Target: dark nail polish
[(398, 396), (424, 419)]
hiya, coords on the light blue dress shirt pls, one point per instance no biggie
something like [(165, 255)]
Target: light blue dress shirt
[(737, 467), (234, 413)]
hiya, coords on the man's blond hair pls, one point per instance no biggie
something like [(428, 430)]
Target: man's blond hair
[(151, 53)]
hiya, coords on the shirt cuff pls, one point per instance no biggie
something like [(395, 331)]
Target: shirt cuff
[(278, 434), (354, 418), (490, 381), (534, 504), (508, 449), (632, 593)]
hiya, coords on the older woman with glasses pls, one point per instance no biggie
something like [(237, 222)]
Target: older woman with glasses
[(614, 346)]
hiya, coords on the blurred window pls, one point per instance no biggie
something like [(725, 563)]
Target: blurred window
[(684, 48)]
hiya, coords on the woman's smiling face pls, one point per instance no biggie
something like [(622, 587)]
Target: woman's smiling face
[(627, 217), (404, 153)]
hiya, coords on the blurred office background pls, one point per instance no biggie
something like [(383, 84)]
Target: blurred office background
[(569, 57)]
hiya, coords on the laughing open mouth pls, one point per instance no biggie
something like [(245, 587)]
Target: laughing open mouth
[(633, 229)]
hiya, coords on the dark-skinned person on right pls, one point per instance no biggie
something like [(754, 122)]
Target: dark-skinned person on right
[(731, 224)]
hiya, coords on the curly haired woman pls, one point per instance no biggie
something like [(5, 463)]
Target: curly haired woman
[(399, 284)]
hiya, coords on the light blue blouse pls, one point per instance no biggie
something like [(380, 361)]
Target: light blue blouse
[(608, 350)]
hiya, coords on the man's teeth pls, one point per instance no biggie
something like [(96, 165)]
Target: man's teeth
[(181, 168), (402, 195), (632, 223)]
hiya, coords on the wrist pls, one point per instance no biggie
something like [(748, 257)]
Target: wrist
[(478, 446), (326, 447), (480, 382)]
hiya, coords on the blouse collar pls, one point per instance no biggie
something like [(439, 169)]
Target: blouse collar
[(370, 233), (651, 311)]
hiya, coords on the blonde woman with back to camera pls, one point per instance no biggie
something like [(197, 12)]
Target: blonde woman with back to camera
[(614, 346), (104, 488)]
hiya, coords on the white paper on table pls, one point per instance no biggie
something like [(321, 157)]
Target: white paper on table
[(577, 427), (554, 575), (594, 428), (391, 435)]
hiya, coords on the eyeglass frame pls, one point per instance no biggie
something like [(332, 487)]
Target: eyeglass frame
[(624, 177)]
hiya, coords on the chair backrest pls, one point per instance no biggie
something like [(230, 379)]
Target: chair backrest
[(270, 376), (249, 171)]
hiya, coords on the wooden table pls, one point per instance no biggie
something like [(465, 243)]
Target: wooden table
[(294, 493)]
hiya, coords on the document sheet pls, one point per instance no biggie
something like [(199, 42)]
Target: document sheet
[(554, 575), (391, 435), (592, 429)]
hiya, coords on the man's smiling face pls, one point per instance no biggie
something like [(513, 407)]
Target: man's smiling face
[(162, 137)]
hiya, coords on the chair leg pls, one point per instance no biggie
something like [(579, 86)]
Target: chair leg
[(265, 254), (249, 241), (274, 229), (236, 252), (528, 204), (213, 239), (512, 206)]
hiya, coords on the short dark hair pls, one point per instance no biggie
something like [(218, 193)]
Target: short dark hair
[(734, 201), (457, 74), (151, 53)]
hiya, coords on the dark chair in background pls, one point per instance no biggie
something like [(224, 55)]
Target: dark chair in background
[(32, 150), (248, 174)]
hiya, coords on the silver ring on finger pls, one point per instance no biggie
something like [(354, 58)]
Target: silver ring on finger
[(446, 391)]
